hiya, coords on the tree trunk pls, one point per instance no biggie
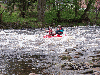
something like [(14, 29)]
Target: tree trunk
[(41, 11), (23, 6), (24, 9)]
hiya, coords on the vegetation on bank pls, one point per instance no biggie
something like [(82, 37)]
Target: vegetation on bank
[(64, 14)]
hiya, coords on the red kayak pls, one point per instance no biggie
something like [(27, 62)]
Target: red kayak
[(50, 36)]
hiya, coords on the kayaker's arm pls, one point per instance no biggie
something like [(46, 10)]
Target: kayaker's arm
[(46, 30)]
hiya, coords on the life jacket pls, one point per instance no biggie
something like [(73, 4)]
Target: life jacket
[(61, 29)]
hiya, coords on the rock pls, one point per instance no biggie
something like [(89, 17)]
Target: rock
[(86, 72), (96, 69), (69, 63), (92, 56), (32, 74), (66, 57), (96, 73), (70, 49), (98, 62), (96, 65), (83, 50), (79, 53), (98, 55), (65, 53), (87, 63), (96, 52), (81, 68), (67, 68), (62, 66), (76, 56), (94, 59)]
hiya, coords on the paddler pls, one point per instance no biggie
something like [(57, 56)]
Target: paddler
[(50, 31), (59, 30)]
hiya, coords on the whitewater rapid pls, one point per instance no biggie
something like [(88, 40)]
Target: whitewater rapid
[(36, 41), (18, 43)]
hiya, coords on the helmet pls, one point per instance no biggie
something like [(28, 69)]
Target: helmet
[(50, 27), (59, 25)]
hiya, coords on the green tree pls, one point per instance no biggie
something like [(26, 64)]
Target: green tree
[(87, 9), (23, 5)]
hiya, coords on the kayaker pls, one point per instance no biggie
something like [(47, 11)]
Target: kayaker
[(50, 31), (59, 30)]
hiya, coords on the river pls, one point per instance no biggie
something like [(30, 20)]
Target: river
[(26, 51)]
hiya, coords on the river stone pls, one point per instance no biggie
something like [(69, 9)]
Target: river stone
[(70, 49), (78, 53), (82, 68), (86, 71), (98, 55), (98, 62), (92, 56), (77, 56), (87, 63), (94, 59), (96, 73), (66, 57), (96, 52), (96, 65), (65, 53)]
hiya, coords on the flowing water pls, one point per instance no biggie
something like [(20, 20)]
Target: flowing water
[(26, 51)]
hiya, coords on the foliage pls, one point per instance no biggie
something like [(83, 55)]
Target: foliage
[(1, 10), (22, 5), (56, 11)]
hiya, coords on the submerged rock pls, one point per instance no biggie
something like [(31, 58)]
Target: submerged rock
[(96, 65), (86, 72)]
